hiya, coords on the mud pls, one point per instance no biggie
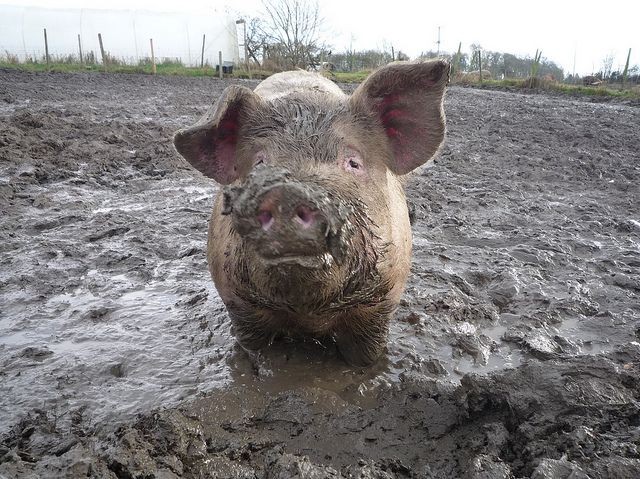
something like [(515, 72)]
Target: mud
[(515, 353)]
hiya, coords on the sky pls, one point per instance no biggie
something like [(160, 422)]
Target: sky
[(573, 34)]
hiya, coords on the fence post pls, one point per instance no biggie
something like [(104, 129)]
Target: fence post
[(104, 58), (202, 54), (153, 58), (46, 47), (626, 69), (220, 64), (80, 49), (480, 63)]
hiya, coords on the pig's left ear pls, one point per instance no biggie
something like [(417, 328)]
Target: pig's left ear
[(211, 144), (406, 99)]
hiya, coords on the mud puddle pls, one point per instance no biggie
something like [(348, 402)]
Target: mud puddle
[(514, 352)]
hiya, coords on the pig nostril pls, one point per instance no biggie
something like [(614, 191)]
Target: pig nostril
[(304, 216), (266, 219)]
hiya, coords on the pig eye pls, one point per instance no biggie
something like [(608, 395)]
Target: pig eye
[(352, 162), (260, 158)]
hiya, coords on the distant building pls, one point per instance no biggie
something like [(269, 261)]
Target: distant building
[(125, 34)]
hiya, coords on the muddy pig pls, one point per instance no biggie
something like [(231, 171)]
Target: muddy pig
[(310, 234)]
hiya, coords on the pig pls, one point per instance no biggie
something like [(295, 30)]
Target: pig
[(310, 235)]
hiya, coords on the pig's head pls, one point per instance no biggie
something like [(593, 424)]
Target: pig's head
[(312, 182)]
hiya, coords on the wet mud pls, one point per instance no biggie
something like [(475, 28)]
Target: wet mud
[(515, 352)]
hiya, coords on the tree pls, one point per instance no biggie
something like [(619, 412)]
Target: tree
[(256, 40), (476, 52), (292, 31), (360, 60), (607, 66)]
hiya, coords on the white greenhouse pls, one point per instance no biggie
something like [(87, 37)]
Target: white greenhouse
[(125, 34)]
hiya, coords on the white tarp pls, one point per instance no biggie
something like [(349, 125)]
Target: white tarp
[(125, 34)]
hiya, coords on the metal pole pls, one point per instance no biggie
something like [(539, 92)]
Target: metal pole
[(46, 47), (153, 57), (246, 48), (202, 54), (244, 44)]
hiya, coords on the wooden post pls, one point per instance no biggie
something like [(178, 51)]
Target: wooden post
[(104, 58), (625, 72), (220, 64), (202, 54), (46, 47), (153, 58), (80, 49), (393, 54), (480, 63)]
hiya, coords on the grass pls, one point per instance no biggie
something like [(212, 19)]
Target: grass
[(350, 77), (174, 67), (542, 85), (165, 68)]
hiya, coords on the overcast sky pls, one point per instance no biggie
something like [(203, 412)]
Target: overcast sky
[(585, 30)]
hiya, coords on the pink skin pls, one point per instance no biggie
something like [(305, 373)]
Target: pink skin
[(266, 219), (269, 210), (352, 162), (305, 216)]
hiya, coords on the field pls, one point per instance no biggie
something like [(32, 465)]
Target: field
[(629, 92), (515, 353)]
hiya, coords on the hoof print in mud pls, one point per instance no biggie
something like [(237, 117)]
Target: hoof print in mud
[(311, 233)]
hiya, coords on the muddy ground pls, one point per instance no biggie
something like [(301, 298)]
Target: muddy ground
[(515, 352)]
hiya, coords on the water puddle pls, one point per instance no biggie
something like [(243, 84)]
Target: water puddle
[(114, 356)]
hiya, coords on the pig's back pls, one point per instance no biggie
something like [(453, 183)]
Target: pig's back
[(300, 81)]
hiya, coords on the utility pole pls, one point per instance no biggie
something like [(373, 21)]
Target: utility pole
[(244, 44), (438, 42)]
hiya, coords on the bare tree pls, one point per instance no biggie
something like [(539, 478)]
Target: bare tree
[(292, 29), (257, 40), (476, 59), (607, 66)]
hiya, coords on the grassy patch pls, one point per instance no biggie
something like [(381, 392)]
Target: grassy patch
[(542, 85), (350, 77), (144, 67), (173, 67), (168, 67)]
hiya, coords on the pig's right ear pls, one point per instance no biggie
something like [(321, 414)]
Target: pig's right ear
[(210, 145), (405, 99)]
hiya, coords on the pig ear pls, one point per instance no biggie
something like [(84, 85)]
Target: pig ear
[(406, 99), (210, 145)]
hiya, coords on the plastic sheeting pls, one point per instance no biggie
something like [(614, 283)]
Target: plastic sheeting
[(125, 34)]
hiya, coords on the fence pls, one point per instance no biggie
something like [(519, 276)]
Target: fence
[(125, 35)]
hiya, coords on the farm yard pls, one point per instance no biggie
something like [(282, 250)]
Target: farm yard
[(515, 352)]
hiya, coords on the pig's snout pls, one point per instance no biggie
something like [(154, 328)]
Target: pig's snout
[(288, 221), (282, 208), (285, 223)]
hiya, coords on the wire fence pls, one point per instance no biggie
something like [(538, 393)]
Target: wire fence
[(66, 35)]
